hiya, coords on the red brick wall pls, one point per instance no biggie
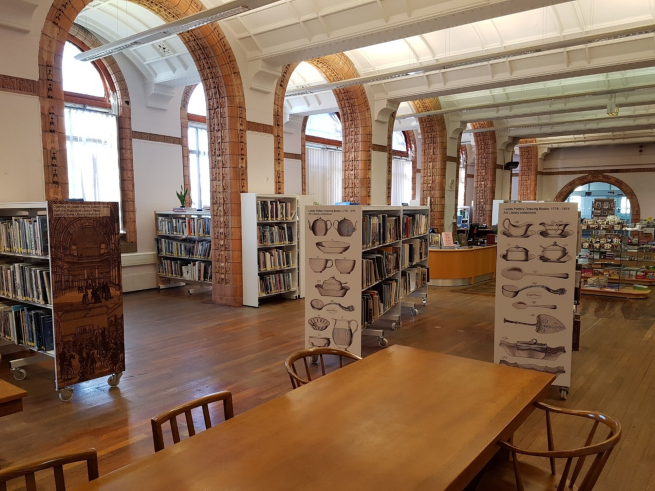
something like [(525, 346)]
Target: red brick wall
[(357, 129), (433, 161), (484, 182), (86, 40), (392, 120), (528, 169), (411, 148), (226, 126)]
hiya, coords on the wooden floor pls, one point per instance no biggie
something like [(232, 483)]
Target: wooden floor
[(181, 347)]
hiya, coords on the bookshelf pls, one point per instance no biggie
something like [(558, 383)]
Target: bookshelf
[(269, 238), (362, 266), (61, 290), (183, 246)]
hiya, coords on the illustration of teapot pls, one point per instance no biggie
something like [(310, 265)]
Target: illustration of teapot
[(320, 227), (345, 227), (343, 333)]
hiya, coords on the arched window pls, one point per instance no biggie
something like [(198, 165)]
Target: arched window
[(401, 170), (594, 201), (91, 131), (198, 148), (324, 158)]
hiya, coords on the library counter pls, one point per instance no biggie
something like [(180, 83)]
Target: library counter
[(463, 266)]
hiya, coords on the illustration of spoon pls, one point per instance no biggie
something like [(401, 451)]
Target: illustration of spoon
[(516, 273), (512, 291), (318, 305), (546, 324), (523, 305)]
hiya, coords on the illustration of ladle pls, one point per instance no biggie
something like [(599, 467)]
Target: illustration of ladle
[(523, 306), (512, 291), (516, 273), (318, 305), (546, 324)]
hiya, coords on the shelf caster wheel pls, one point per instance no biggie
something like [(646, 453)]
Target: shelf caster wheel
[(563, 393), (114, 379), (413, 312), (383, 342), (314, 359), (66, 394), (425, 300), (19, 373)]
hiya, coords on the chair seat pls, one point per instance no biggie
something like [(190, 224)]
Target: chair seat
[(501, 477)]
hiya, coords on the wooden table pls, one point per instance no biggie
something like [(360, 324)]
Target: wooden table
[(11, 398), (402, 418)]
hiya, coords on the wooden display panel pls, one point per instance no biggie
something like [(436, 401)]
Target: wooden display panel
[(87, 290)]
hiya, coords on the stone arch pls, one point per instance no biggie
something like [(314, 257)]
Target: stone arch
[(85, 40), (589, 178), (226, 126), (484, 182), (434, 144), (184, 124), (355, 114)]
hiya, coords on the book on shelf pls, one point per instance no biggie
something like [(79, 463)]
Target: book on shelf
[(412, 279), (186, 226), (379, 264), (25, 281), (274, 259), (275, 283), (413, 251), (413, 225), (379, 229), (193, 271), (24, 235), (274, 209), (275, 234), (199, 249), (27, 325), (379, 299)]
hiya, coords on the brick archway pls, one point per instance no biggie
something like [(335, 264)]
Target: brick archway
[(433, 159), (635, 208), (184, 123), (484, 181), (226, 126)]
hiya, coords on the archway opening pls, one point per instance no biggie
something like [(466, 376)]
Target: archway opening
[(600, 200)]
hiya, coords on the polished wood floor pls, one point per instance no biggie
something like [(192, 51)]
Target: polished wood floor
[(181, 347)]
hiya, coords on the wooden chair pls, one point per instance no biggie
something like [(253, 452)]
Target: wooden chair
[(316, 354), (186, 408), (56, 463), (522, 476)]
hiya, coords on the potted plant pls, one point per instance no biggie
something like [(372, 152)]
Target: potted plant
[(181, 195)]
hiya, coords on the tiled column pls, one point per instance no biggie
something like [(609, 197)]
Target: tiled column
[(528, 169), (278, 128), (484, 183), (184, 123), (411, 138)]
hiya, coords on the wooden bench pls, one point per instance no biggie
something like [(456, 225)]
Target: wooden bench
[(11, 398)]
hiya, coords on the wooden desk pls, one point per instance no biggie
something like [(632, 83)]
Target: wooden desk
[(459, 267), (402, 418), (11, 398)]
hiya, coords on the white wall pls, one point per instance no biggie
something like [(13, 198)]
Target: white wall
[(292, 176), (261, 178), (378, 178), (21, 165)]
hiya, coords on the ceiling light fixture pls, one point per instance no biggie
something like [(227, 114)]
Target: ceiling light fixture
[(612, 106), (173, 28)]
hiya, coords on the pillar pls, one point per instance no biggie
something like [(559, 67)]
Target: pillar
[(528, 170)]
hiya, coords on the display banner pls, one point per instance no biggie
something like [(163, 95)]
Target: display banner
[(333, 277), (535, 286)]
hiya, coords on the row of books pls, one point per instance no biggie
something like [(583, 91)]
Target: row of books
[(199, 249), (376, 301), (193, 271), (26, 281), (274, 259), (379, 230), (275, 234), (24, 235), (195, 226), (414, 225), (413, 278), (274, 210), (379, 265), (275, 283), (27, 325), (413, 252)]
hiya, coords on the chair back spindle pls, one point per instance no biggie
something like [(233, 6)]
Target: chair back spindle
[(313, 354)]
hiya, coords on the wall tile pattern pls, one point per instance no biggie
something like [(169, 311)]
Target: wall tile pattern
[(528, 170), (278, 126), (484, 182), (184, 124), (389, 149)]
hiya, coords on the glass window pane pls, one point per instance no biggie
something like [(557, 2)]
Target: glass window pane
[(80, 77), (197, 102), (199, 166), (324, 126), (398, 141)]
